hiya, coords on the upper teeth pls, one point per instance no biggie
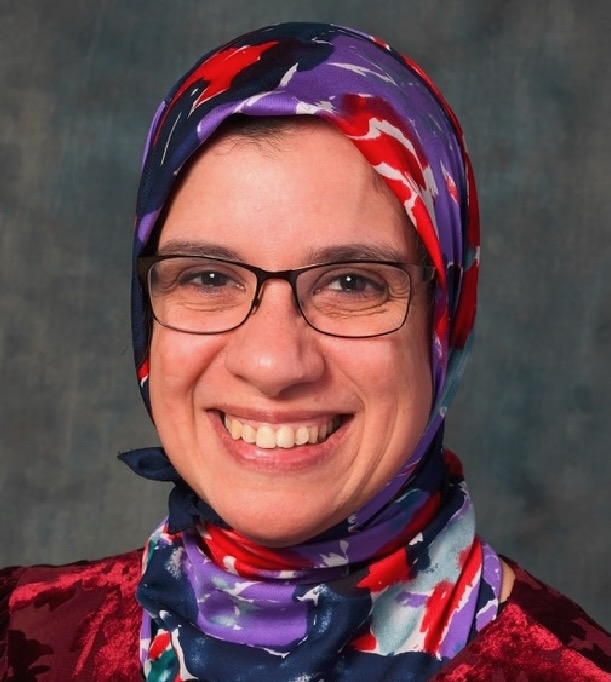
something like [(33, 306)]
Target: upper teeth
[(279, 436)]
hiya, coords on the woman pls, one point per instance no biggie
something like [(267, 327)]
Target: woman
[(305, 271)]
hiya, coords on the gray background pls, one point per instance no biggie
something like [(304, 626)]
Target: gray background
[(530, 82)]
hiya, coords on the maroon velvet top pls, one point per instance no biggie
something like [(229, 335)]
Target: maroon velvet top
[(82, 622)]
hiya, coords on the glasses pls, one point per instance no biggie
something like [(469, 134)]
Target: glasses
[(356, 299)]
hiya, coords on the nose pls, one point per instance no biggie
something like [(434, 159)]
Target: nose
[(275, 350)]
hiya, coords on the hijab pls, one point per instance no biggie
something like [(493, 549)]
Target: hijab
[(403, 584)]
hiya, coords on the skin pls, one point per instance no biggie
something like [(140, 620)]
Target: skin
[(283, 204)]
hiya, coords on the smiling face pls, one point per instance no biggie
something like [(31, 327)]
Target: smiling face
[(231, 409)]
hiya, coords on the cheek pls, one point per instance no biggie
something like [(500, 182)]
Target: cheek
[(177, 364), (393, 370), (396, 382)]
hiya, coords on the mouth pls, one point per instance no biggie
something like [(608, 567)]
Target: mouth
[(269, 436)]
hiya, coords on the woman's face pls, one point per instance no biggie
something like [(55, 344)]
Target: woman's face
[(279, 204)]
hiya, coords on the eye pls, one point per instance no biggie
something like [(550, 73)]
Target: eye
[(206, 279), (210, 277), (352, 282), (198, 277)]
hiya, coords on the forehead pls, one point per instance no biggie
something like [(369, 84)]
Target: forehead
[(297, 183)]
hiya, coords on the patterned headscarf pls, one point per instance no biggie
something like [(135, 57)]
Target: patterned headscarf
[(404, 583)]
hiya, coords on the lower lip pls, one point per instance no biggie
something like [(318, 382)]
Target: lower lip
[(279, 460)]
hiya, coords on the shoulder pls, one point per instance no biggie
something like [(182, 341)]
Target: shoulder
[(540, 634), (71, 621)]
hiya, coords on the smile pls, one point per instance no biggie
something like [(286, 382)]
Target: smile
[(280, 435)]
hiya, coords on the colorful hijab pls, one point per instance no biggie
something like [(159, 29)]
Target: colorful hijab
[(404, 584)]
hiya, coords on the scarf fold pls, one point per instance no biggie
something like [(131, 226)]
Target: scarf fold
[(404, 583)]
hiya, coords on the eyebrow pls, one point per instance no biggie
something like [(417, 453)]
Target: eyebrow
[(327, 254), (357, 251), (181, 247)]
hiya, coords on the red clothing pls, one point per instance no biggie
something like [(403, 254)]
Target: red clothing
[(82, 622)]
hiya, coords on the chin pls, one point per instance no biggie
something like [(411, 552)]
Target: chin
[(282, 530)]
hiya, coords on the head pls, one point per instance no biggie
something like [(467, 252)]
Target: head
[(355, 171)]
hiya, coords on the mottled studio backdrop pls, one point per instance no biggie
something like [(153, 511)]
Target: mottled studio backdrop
[(530, 82)]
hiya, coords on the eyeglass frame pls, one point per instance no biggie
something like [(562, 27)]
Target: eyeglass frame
[(144, 265)]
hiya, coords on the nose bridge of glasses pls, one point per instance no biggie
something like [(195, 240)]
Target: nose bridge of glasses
[(264, 276)]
